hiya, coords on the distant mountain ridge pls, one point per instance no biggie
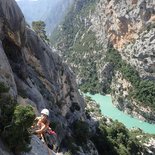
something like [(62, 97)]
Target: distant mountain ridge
[(51, 12)]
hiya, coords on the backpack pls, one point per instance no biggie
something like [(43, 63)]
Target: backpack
[(51, 139)]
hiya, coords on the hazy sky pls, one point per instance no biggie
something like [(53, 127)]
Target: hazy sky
[(26, 0)]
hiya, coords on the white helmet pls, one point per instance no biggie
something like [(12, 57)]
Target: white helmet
[(45, 111)]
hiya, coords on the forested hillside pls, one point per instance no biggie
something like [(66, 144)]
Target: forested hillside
[(78, 45), (109, 45)]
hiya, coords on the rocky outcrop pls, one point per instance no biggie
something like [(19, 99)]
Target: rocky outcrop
[(129, 26), (91, 149), (124, 25), (141, 53), (105, 74), (120, 95), (39, 148), (125, 20), (150, 146), (34, 74)]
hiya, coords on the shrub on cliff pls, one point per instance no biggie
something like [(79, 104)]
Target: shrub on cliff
[(23, 118), (15, 120), (3, 88), (7, 105), (39, 28), (16, 134)]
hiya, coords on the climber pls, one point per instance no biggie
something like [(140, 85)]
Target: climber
[(44, 132), (42, 124)]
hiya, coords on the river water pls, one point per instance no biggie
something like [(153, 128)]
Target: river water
[(109, 110)]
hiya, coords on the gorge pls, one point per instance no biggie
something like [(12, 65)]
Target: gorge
[(104, 46), (110, 55), (110, 111)]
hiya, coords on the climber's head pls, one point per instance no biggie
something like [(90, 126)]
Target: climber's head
[(45, 112)]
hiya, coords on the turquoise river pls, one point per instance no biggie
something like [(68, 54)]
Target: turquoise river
[(109, 110)]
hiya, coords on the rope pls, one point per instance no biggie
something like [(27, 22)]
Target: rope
[(46, 145)]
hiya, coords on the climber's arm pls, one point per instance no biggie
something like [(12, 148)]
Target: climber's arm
[(43, 128)]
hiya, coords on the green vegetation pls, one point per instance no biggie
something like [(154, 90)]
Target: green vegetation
[(79, 46), (3, 88), (112, 138), (73, 25), (22, 119), (109, 137), (39, 28), (141, 136), (68, 153), (91, 82), (116, 139), (143, 91), (15, 120)]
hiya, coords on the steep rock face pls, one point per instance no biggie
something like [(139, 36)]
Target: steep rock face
[(125, 20), (34, 74), (120, 95), (141, 54), (13, 30), (89, 32), (129, 26), (38, 148), (6, 71)]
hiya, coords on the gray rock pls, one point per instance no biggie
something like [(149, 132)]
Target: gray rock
[(15, 27), (39, 148), (6, 74), (129, 26), (4, 150), (35, 74)]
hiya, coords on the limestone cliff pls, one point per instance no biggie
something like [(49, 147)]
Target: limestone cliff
[(34, 73), (127, 26)]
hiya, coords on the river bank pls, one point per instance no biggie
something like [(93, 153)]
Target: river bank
[(109, 110)]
